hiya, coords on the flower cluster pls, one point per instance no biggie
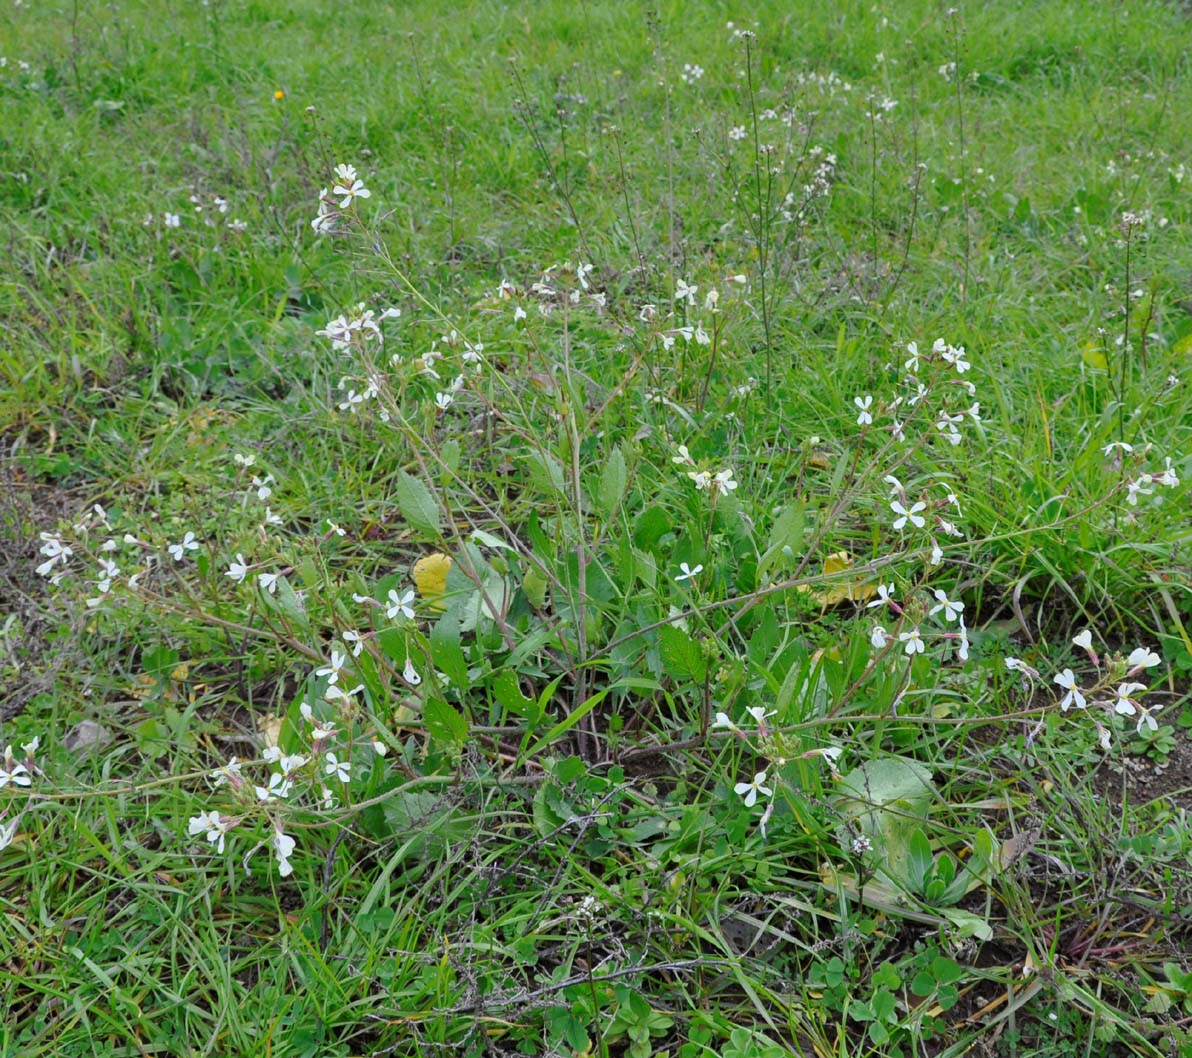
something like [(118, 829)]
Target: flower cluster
[(715, 482), (1116, 690), (769, 742), (911, 637), (345, 190)]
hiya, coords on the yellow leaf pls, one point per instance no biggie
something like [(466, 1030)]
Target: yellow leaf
[(1093, 355), (430, 577), (851, 590)]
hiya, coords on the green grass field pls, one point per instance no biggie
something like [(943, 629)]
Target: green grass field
[(595, 529)]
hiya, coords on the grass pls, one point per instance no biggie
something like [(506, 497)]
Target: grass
[(547, 844)]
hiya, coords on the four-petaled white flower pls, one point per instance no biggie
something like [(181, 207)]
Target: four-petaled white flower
[(341, 769), (864, 404), (912, 515), (750, 790), (686, 572), (952, 610), (1067, 680), (237, 570), (1084, 639), (914, 642), (268, 582), (400, 604), (187, 543)]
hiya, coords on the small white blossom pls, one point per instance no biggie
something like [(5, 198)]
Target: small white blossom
[(750, 790), (410, 674), (864, 404), (237, 570), (187, 543), (912, 515), (686, 572), (951, 610), (913, 642), (341, 769), (1067, 680), (400, 605)]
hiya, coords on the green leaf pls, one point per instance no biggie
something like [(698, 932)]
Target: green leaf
[(443, 722), (681, 655), (446, 651), (417, 505), (508, 693), (787, 533), (613, 482)]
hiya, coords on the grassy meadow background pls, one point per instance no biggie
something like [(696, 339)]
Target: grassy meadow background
[(546, 842)]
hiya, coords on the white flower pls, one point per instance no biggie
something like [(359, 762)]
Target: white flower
[(268, 582), (172, 220), (1124, 703), (400, 604), (284, 846), (1142, 658), (759, 714), (883, 596), (686, 572), (443, 401), (229, 773), (951, 609), (880, 638), (279, 788), (332, 669), (1121, 446), (410, 674), (262, 487), (914, 642), (685, 292), (724, 480), (212, 825), (1018, 665), (1067, 680), (341, 769), (8, 832), (912, 515), (912, 365), (864, 404), (750, 790), (722, 720), (188, 543), (356, 640), (237, 570), (737, 132), (1145, 720), (349, 186), (1084, 639)]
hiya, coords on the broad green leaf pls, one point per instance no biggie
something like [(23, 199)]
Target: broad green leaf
[(417, 505), (443, 722), (681, 655)]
